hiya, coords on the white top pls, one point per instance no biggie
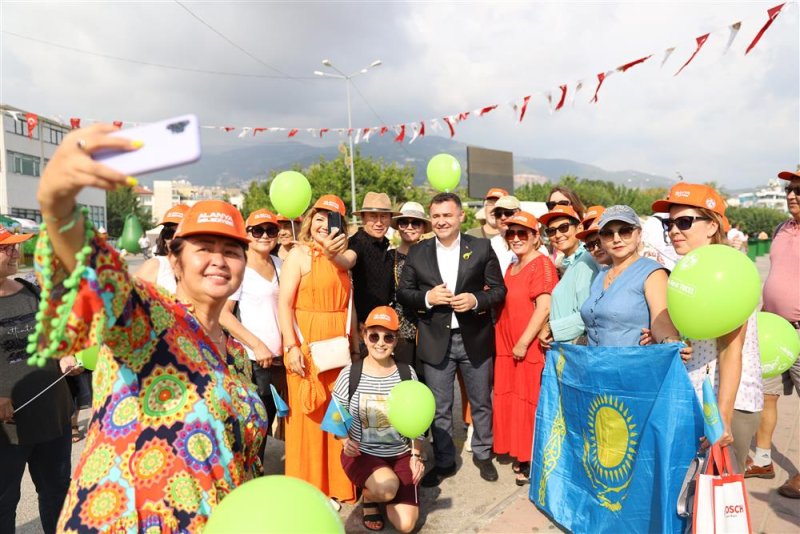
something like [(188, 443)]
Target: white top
[(656, 245), (447, 258), (166, 277), (504, 254), (750, 395), (258, 307)]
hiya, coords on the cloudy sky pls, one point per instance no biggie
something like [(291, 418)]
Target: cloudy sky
[(729, 118)]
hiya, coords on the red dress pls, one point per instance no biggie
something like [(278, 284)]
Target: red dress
[(516, 383)]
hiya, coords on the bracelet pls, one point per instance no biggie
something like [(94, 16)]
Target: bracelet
[(71, 218)]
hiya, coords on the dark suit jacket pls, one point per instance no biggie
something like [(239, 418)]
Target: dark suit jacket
[(478, 268)]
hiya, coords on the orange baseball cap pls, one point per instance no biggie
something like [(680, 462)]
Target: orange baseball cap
[(261, 217), (214, 217), (788, 175), (384, 316), (695, 195), (523, 218), (330, 203), (175, 214), (560, 211), (495, 192), (591, 214), (594, 227), (10, 238)]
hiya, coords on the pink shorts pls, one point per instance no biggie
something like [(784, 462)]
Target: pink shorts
[(360, 468)]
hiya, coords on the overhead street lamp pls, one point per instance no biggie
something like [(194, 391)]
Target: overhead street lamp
[(347, 77)]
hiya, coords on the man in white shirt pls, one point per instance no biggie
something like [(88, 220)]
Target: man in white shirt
[(505, 208)]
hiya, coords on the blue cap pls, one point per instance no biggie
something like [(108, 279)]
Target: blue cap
[(619, 213)]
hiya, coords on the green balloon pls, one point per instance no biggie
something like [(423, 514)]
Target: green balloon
[(88, 357), (131, 233), (778, 343), (274, 504), (444, 172), (290, 194), (712, 291), (411, 408)]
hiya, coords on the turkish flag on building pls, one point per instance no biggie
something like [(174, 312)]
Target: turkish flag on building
[(32, 120), (74, 123)]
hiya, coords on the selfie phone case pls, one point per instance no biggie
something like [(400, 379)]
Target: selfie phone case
[(335, 221), (168, 143)]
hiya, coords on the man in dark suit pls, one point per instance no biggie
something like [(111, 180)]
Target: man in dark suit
[(452, 283)]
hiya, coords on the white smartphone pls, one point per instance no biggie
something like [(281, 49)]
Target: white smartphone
[(168, 143)]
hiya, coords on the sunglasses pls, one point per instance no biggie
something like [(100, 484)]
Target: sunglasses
[(683, 223), (374, 337), (9, 250), (522, 235), (259, 231), (405, 223), (553, 203), (562, 228), (793, 189), (591, 245), (500, 213), (624, 232)]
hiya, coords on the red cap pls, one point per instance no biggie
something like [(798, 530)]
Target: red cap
[(495, 192), (175, 214), (695, 195), (591, 214), (330, 203), (214, 217), (261, 217), (9, 238), (383, 316), (523, 218), (559, 211), (788, 175), (589, 231)]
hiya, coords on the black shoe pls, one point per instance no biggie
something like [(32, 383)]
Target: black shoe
[(435, 476), (487, 469)]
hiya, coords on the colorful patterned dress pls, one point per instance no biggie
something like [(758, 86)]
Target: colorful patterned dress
[(176, 425)]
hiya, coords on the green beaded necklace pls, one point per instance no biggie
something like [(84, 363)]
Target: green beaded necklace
[(72, 283)]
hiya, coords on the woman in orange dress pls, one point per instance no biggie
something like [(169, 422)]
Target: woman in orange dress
[(314, 292)]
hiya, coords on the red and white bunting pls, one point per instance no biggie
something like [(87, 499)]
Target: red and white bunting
[(700, 42), (561, 100), (772, 13), (734, 28)]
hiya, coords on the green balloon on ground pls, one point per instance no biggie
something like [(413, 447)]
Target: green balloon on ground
[(274, 504), (444, 172), (88, 357), (290, 194), (131, 233), (712, 291), (411, 408), (778, 343)]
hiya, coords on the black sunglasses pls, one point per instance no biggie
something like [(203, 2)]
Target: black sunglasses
[(553, 203), (499, 213), (624, 232), (683, 223), (405, 223), (374, 337), (562, 228), (259, 231), (793, 189), (591, 245), (522, 235)]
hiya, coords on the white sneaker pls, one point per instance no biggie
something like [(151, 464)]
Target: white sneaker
[(468, 442)]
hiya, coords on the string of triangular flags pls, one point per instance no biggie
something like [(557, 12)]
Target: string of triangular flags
[(415, 130)]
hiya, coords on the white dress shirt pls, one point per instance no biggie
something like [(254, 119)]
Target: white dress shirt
[(504, 254), (447, 258)]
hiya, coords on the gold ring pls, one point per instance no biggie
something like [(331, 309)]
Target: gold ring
[(82, 144)]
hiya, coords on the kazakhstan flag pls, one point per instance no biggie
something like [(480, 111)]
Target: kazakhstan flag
[(616, 429)]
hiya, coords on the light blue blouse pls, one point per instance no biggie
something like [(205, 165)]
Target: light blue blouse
[(570, 293), (614, 317)]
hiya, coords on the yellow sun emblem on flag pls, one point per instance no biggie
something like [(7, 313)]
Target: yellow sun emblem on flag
[(711, 414), (609, 449)]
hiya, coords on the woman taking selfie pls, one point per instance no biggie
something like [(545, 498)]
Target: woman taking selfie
[(158, 270), (313, 306), (177, 423)]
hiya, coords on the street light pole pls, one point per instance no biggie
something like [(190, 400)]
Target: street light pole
[(347, 78)]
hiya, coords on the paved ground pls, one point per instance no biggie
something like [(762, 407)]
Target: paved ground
[(466, 503)]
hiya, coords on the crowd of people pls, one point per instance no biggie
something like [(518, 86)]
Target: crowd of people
[(231, 312)]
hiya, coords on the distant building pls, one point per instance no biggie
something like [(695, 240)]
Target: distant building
[(22, 160), (772, 196), (168, 193)]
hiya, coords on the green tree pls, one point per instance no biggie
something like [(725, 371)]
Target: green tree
[(119, 204), (756, 220)]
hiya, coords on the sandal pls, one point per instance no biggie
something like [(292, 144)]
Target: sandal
[(515, 466), (374, 518), (522, 473), (76, 434)]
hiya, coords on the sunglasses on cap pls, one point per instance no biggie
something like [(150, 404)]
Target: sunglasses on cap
[(522, 235), (499, 213), (793, 189), (683, 223), (562, 228), (591, 245), (259, 231), (553, 203), (624, 232), (374, 337), (405, 223)]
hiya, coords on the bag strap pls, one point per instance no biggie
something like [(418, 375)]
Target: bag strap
[(33, 288), (357, 368)]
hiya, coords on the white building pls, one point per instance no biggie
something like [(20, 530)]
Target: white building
[(168, 193), (773, 196), (22, 160)]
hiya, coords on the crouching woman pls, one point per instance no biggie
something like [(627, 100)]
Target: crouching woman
[(376, 457)]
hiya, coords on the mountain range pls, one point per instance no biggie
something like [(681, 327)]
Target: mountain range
[(234, 167)]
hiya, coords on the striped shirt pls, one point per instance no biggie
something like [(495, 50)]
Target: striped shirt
[(369, 409)]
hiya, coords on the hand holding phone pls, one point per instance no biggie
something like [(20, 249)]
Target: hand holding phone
[(335, 221)]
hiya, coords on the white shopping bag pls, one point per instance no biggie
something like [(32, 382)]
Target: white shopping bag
[(731, 511)]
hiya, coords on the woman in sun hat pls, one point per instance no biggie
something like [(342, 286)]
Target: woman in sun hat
[(177, 422), (158, 270)]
